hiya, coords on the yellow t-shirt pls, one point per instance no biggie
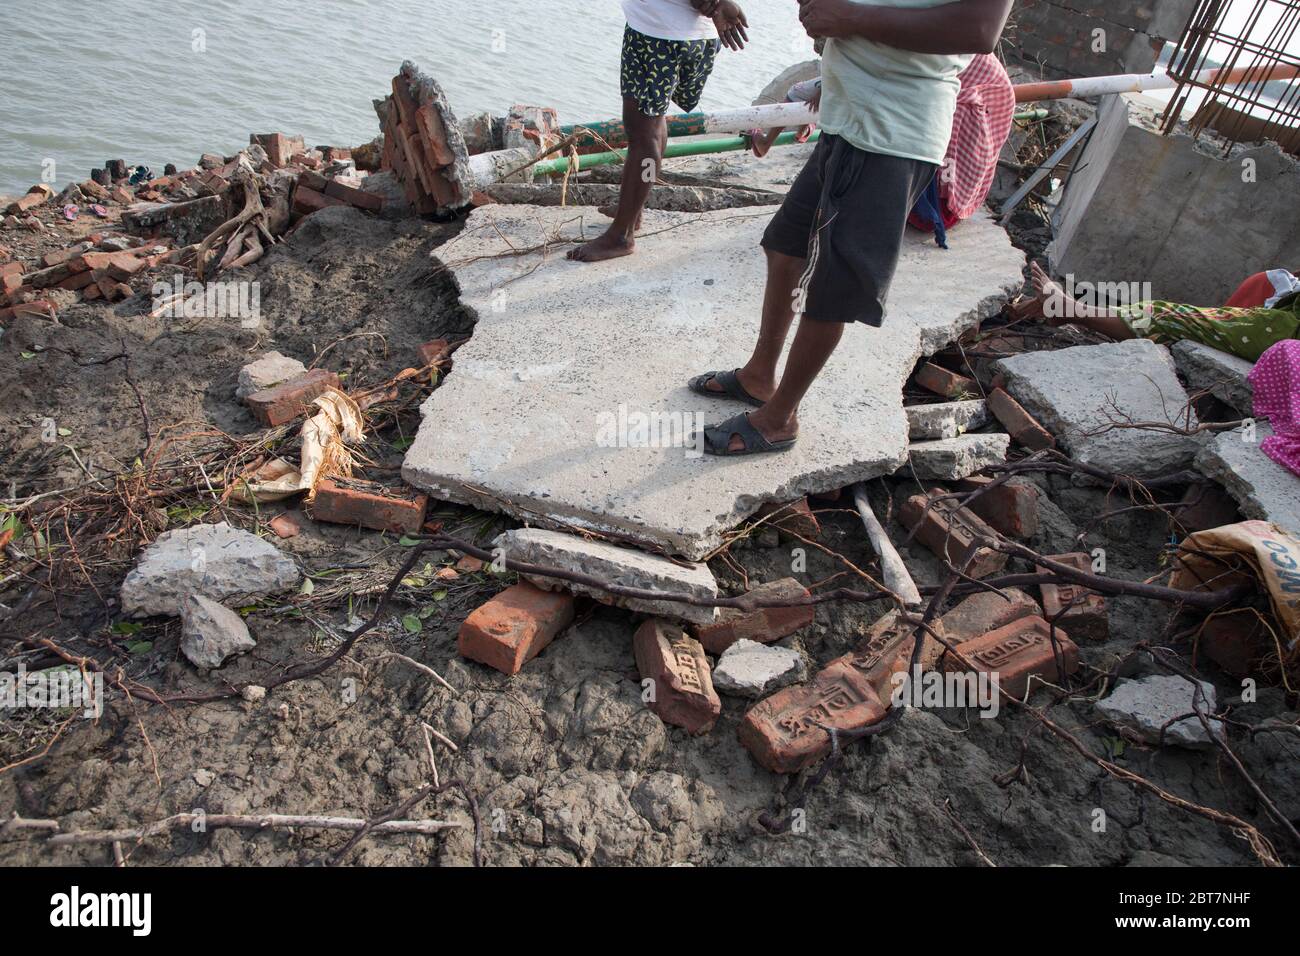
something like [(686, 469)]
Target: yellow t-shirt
[(890, 101)]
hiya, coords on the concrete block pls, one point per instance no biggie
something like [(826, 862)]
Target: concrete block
[(1264, 489), (619, 566), (949, 459), (945, 420), (1080, 393), (1221, 374)]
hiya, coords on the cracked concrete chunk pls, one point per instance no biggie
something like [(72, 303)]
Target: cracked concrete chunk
[(946, 420), (1080, 393), (1221, 374), (749, 669), (569, 404), (1145, 706), (619, 566), (215, 560), (267, 371), (1264, 489), (211, 634), (951, 459)]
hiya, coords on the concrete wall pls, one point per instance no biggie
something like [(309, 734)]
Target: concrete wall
[(1165, 210), (1057, 35)]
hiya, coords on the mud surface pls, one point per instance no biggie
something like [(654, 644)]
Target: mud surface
[(565, 763)]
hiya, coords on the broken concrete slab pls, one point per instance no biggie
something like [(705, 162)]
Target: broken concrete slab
[(212, 634), (569, 404), (1264, 489), (215, 560), (1081, 393), (750, 669), (1221, 374), (951, 459), (946, 420), (1146, 706), (619, 566)]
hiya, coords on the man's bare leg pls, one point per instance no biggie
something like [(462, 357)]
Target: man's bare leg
[(759, 374), (813, 345), (647, 136)]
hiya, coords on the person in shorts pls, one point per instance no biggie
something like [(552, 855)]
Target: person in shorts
[(669, 47), (889, 92)]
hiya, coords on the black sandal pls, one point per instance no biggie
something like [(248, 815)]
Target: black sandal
[(717, 440), (731, 387)]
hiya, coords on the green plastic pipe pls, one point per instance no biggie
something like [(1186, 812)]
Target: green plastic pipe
[(698, 147)]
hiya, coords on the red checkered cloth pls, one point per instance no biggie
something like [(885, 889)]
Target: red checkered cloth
[(985, 107)]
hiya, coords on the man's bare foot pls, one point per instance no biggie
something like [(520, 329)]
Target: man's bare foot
[(611, 245), (769, 427), (760, 390), (1051, 292), (612, 211)]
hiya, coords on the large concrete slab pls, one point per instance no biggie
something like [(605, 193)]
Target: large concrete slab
[(540, 417), (1223, 375), (1086, 395), (1264, 489)]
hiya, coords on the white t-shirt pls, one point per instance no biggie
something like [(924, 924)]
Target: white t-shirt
[(668, 20)]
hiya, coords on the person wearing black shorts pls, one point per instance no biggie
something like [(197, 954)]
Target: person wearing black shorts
[(889, 82), (669, 47)]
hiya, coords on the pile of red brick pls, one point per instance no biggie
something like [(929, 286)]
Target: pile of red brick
[(420, 140), (98, 267)]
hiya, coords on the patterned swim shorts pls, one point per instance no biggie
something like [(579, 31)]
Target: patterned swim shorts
[(657, 71)]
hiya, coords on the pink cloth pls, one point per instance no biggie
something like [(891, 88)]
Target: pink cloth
[(1276, 381)]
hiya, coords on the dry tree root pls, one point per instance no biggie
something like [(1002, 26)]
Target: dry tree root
[(246, 236)]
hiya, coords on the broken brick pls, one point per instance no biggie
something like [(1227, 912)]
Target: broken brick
[(285, 526), (288, 400), (121, 194), (12, 269), (682, 691), (1236, 641), (25, 203), (307, 201), (123, 265), (469, 564), (793, 519), (63, 255), (935, 378), (785, 734), (1011, 507), (353, 196), (763, 626), (1023, 428), (433, 352), (368, 504), (41, 307), (514, 627), (1086, 615), (988, 611), (279, 147), (76, 281), (953, 534), (1016, 653)]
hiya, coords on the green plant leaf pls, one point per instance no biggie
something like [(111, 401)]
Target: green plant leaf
[(139, 647), (126, 628), (412, 623)]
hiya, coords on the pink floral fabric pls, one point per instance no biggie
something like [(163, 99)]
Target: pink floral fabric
[(1276, 381)]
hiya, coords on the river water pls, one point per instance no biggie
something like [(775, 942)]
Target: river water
[(86, 81)]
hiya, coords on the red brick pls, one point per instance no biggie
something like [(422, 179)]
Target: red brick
[(285, 525), (353, 196), (279, 147), (1022, 426), (682, 687), (988, 611), (123, 265), (78, 280), (1011, 507), (63, 255), (312, 180), (369, 504), (1236, 640), (514, 627), (122, 291), (48, 277), (887, 649), (1016, 653), (307, 201), (764, 625), (784, 732), (469, 564), (1086, 617), (951, 533), (41, 307), (1204, 507), (121, 194), (25, 203), (97, 261), (793, 518), (11, 282), (285, 402), (91, 292), (939, 380)]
